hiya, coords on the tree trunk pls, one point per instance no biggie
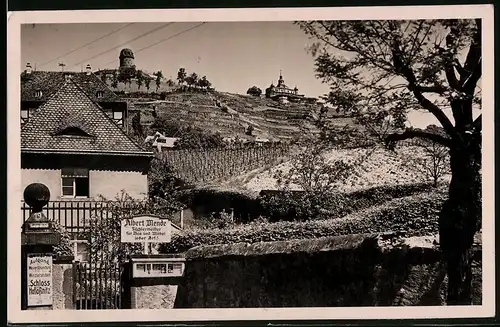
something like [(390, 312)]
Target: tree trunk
[(460, 217)]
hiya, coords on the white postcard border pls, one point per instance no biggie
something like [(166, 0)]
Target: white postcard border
[(15, 315)]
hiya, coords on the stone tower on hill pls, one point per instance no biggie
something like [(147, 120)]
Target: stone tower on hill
[(126, 58)]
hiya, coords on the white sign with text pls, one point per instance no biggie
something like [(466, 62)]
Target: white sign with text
[(146, 229), (39, 280)]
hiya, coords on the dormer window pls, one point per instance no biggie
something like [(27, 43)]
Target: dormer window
[(72, 131), (25, 115), (118, 117), (100, 94), (38, 93)]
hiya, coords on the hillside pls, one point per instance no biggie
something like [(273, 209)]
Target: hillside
[(381, 167), (231, 114)]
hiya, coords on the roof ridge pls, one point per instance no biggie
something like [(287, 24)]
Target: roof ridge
[(37, 110), (94, 113), (107, 117)]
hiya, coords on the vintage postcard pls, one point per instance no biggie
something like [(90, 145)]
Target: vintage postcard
[(271, 164)]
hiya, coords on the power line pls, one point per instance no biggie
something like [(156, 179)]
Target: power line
[(86, 45), (120, 45), (163, 40)]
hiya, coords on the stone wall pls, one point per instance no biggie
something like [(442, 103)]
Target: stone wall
[(62, 281), (353, 270)]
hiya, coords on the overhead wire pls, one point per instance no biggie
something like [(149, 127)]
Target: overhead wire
[(122, 44), (161, 41), (86, 45)]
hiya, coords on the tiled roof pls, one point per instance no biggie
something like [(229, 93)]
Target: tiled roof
[(70, 107), (49, 82)]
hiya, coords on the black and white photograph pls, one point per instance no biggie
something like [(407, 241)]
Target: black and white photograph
[(325, 160)]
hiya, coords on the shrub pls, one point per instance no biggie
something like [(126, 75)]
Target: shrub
[(296, 205), (64, 248), (414, 216)]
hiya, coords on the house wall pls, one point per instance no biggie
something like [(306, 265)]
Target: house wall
[(49, 177), (106, 183)]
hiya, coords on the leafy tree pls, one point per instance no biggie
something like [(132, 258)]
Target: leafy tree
[(249, 130), (380, 70), (126, 74), (170, 83), (137, 126), (139, 79), (317, 178), (204, 83), (114, 80), (159, 76), (147, 83), (164, 185), (104, 78), (181, 75), (255, 91), (192, 79), (103, 234)]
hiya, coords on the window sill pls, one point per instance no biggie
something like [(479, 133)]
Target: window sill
[(75, 197)]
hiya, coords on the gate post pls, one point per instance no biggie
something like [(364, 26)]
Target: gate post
[(38, 238)]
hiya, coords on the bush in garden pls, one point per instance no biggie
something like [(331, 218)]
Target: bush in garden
[(64, 248), (415, 215), (295, 205), (103, 234)]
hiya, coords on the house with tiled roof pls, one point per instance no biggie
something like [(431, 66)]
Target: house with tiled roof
[(74, 147), (38, 86)]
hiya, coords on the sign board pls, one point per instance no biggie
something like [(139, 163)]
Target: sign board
[(158, 268), (39, 225), (39, 274), (146, 229)]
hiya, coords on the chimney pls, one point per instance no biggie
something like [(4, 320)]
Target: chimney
[(28, 68), (88, 69)]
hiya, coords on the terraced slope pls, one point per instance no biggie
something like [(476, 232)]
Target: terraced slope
[(231, 114)]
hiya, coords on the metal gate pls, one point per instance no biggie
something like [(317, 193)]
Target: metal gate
[(98, 281), (97, 286)]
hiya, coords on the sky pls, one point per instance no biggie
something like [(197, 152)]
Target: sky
[(233, 55)]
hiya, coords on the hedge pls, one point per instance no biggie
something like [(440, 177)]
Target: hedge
[(296, 205), (414, 216)]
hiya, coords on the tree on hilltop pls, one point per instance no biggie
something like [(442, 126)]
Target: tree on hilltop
[(181, 75), (159, 76), (380, 70), (147, 83), (191, 80), (255, 91), (139, 79), (114, 80), (204, 83)]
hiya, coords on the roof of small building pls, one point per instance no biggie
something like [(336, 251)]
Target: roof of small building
[(126, 52), (50, 81), (70, 122)]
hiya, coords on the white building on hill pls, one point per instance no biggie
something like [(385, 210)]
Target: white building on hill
[(161, 141)]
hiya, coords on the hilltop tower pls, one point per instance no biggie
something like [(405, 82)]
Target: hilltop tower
[(127, 58)]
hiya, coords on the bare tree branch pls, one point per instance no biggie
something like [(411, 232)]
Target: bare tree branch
[(413, 133)]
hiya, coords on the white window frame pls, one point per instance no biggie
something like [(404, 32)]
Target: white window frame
[(38, 93), (25, 119), (74, 196), (100, 94), (119, 121)]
